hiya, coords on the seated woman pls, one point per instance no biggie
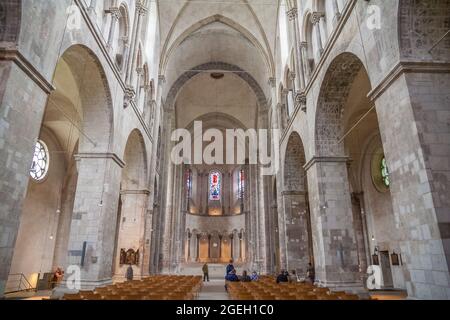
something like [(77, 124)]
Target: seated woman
[(254, 276)]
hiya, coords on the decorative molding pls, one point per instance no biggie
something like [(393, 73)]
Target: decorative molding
[(26, 66), (407, 67), (143, 191), (315, 160), (293, 193), (115, 13), (101, 155)]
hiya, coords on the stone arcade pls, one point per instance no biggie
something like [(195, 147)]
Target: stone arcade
[(92, 90)]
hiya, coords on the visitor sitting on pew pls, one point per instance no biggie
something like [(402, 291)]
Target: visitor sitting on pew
[(245, 277), (283, 277), (230, 267), (254, 276), (231, 276)]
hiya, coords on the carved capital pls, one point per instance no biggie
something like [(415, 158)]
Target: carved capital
[(130, 93), (141, 8), (292, 14), (272, 82), (292, 75), (115, 13), (316, 16), (300, 99)]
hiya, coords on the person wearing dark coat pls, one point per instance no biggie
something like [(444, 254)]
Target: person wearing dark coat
[(282, 277), (129, 275), (230, 267)]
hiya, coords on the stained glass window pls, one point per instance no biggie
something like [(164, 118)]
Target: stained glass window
[(241, 184), (214, 185), (385, 173), (39, 166)]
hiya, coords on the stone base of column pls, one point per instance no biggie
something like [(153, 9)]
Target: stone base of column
[(350, 287)]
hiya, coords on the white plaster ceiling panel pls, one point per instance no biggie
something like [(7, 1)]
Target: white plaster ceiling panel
[(203, 95)]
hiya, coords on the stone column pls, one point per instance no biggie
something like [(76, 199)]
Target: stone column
[(198, 248), (220, 246), (92, 231), (209, 246), (315, 20), (334, 243), (92, 5), (139, 73), (141, 10), (189, 236), (304, 51), (240, 246), (296, 231), (115, 16), (413, 113), (300, 77), (337, 13), (232, 246), (19, 129)]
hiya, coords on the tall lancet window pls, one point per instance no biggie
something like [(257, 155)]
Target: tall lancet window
[(241, 184), (188, 187), (215, 180)]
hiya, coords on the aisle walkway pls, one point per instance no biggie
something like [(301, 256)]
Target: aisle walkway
[(213, 290)]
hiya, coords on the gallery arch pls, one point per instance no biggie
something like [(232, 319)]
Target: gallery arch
[(295, 231), (76, 127), (132, 213)]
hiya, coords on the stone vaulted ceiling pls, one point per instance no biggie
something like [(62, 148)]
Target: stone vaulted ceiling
[(237, 32)]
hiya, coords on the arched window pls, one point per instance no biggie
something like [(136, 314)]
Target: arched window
[(241, 184), (188, 187), (215, 180), (380, 171), (39, 166), (188, 183), (385, 173), (284, 43)]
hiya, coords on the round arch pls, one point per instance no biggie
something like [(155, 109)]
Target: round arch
[(336, 85), (91, 97), (294, 175), (134, 174)]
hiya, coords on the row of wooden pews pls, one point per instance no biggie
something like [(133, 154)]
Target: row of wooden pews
[(267, 289), (160, 287)]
